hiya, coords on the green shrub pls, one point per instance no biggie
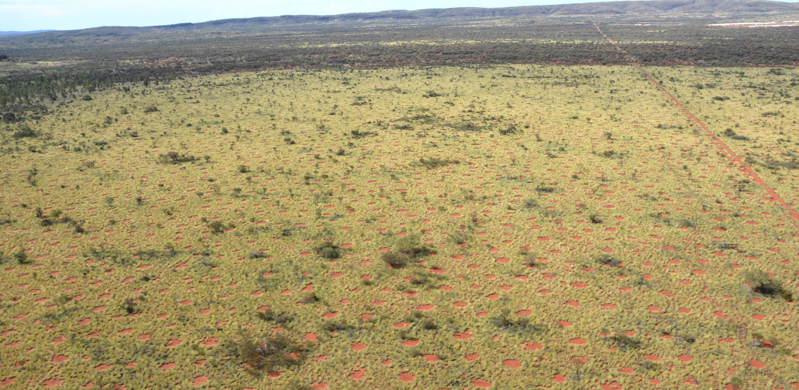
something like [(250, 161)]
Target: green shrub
[(395, 260), (328, 250), (24, 132), (763, 284), (21, 258), (622, 341)]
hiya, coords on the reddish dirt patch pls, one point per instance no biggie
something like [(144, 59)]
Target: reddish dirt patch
[(472, 357), (53, 383), (524, 313), (685, 358), (330, 315), (514, 364), (558, 378), (320, 386), (410, 343), (200, 380), (482, 383), (212, 341), (463, 336), (358, 346), (8, 381), (60, 358), (357, 375), (578, 341), (756, 364), (167, 366), (406, 377), (310, 337), (653, 358), (533, 346), (173, 343)]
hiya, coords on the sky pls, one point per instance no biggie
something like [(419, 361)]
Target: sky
[(30, 15)]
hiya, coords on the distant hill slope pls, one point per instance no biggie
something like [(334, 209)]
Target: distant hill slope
[(631, 8), (8, 33)]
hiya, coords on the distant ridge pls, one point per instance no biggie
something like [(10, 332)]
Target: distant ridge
[(675, 8), (7, 33)]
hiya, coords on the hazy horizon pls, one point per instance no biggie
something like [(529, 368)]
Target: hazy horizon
[(35, 15)]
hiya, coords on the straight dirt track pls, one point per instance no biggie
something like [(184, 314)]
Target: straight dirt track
[(716, 140)]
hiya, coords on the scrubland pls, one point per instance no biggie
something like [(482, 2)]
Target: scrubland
[(430, 227)]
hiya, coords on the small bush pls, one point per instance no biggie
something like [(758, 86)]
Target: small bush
[(272, 353), (277, 317), (595, 218), (150, 108), (256, 254), (175, 158), (218, 227), (328, 250), (622, 341), (395, 260), (508, 323), (24, 132), (86, 98), (511, 129), (410, 245), (432, 163), (21, 258), (763, 284), (609, 260)]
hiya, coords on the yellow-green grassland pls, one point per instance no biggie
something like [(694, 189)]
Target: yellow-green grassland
[(429, 227)]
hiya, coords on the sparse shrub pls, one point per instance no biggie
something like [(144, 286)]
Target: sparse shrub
[(328, 250), (432, 163), (511, 129), (337, 326), (622, 341), (609, 260), (761, 283), (395, 260), (256, 254), (275, 316), (22, 258), (411, 246), (175, 158), (150, 108), (218, 227), (545, 188), (505, 321), (24, 132), (361, 134), (86, 98), (270, 354), (129, 306), (595, 218), (310, 298)]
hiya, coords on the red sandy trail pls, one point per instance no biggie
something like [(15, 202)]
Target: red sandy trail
[(716, 140)]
